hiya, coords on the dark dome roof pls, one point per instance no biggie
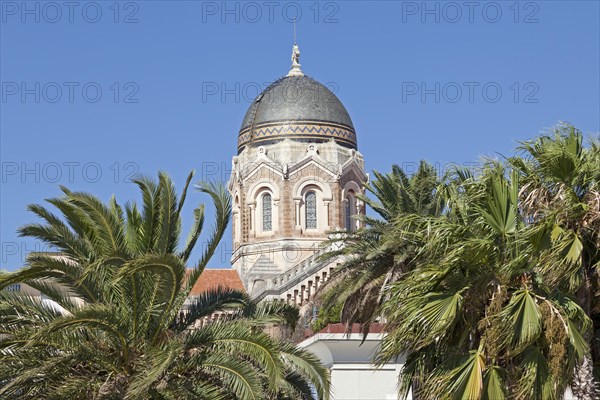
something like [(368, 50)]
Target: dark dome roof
[(297, 100), (294, 98)]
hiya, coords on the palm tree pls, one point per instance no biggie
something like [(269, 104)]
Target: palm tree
[(119, 326), (561, 196), (371, 258), (474, 317)]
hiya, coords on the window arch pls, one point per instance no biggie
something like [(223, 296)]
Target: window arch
[(310, 202), (267, 212), (351, 206), (349, 214)]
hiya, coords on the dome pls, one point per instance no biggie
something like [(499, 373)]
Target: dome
[(296, 107)]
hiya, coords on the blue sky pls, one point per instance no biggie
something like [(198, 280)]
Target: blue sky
[(93, 92)]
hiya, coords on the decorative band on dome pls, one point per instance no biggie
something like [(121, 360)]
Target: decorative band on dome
[(297, 130)]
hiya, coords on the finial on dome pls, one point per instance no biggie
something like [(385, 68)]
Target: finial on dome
[(295, 71)]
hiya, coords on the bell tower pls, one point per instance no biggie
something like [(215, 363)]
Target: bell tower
[(294, 181)]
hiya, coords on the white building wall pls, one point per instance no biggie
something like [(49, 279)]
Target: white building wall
[(362, 382), (353, 375)]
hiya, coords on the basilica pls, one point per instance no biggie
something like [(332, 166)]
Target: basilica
[(295, 180)]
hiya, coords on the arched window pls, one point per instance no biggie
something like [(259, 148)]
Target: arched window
[(349, 222), (267, 218), (311, 210)]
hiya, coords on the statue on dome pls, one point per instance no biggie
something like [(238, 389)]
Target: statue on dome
[(295, 71), (295, 55)]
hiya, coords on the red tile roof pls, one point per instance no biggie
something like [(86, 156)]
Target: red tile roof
[(213, 278)]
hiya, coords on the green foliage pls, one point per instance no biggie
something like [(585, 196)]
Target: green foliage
[(121, 327), (369, 258), (326, 317), (494, 295)]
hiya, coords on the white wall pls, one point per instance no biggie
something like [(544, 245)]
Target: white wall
[(353, 376), (363, 382)]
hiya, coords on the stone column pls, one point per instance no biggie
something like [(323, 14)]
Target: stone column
[(275, 212), (297, 213), (252, 220), (327, 217)]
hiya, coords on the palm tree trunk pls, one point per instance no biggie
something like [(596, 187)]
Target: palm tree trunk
[(113, 388), (584, 385)]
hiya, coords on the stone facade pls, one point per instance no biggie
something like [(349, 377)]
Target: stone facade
[(266, 248), (294, 182)]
